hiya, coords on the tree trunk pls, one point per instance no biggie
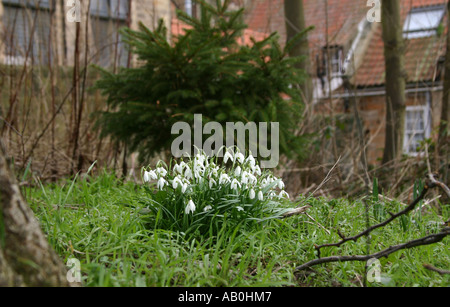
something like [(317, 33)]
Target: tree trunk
[(26, 258), (295, 23), (395, 79), (444, 125)]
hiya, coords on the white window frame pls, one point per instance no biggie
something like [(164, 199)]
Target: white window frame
[(114, 12), (38, 49), (429, 28), (337, 60), (426, 131)]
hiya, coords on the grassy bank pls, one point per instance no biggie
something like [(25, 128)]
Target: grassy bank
[(103, 223)]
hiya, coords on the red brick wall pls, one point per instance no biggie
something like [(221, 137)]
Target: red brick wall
[(372, 113)]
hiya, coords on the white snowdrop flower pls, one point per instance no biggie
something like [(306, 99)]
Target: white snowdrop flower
[(188, 173), (239, 157), (237, 171), (207, 208), (178, 168), (161, 183), (239, 208), (190, 208), (244, 178), (272, 195), (176, 182), (212, 183), (251, 160), (200, 159), (161, 171), (235, 184), (252, 194), (281, 184), (252, 179), (224, 179), (257, 170), (260, 195), (283, 194), (227, 156), (146, 176), (198, 174), (184, 187), (264, 182), (214, 170)]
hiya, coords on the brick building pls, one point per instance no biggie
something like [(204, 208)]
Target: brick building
[(46, 22), (355, 47), (39, 32)]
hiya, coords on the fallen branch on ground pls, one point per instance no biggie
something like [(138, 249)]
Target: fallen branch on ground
[(434, 269), (296, 211), (431, 239), (431, 182)]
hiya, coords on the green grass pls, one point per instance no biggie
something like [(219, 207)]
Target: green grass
[(101, 222)]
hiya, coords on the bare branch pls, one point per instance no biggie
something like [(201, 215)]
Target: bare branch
[(434, 269), (431, 239), (405, 211)]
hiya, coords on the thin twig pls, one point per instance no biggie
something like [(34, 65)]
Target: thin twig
[(317, 223)]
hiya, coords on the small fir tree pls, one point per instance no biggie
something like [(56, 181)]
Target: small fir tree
[(202, 71)]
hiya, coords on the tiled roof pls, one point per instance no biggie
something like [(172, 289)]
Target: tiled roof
[(343, 19), (179, 27), (421, 54)]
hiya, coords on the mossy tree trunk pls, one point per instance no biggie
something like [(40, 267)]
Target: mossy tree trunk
[(395, 79), (26, 258)]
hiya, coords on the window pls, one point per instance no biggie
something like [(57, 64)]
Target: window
[(107, 17), (337, 56), (26, 32), (188, 7), (417, 128), (423, 22)]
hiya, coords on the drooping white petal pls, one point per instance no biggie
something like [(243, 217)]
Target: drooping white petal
[(239, 157), (212, 183), (260, 195), (161, 171), (258, 170), (190, 207), (146, 176), (251, 160), (224, 179), (188, 173), (176, 182), (283, 194), (235, 184), (237, 171), (161, 183), (184, 188), (227, 156), (252, 194)]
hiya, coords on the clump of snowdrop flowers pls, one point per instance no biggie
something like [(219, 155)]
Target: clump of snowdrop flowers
[(192, 192)]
